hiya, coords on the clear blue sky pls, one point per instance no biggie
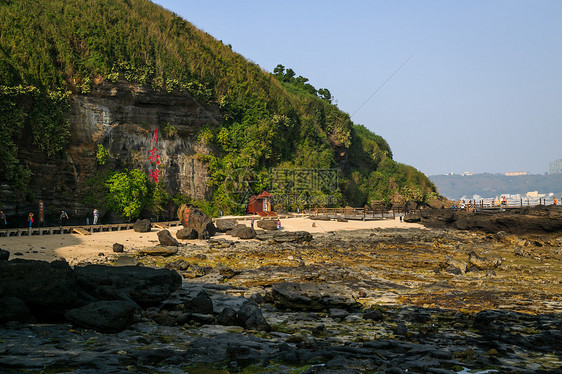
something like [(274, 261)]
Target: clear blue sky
[(482, 92)]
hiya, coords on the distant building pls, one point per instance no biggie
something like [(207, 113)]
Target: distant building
[(556, 167), (515, 173)]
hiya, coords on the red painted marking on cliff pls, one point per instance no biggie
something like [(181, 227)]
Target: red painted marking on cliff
[(154, 157)]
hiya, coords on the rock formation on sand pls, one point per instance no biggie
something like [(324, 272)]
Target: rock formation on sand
[(53, 292), (194, 220)]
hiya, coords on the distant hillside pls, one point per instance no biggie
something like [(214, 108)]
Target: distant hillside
[(55, 52), (492, 185)]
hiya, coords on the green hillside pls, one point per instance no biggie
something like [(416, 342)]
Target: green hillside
[(52, 49)]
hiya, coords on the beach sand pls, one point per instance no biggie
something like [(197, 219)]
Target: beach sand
[(76, 248)]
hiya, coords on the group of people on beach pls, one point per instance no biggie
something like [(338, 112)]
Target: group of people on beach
[(63, 219)]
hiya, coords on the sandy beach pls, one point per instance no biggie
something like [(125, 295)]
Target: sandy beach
[(76, 248)]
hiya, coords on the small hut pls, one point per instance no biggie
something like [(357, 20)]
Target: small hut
[(260, 203)]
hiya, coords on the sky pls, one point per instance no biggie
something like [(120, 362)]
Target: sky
[(452, 86)]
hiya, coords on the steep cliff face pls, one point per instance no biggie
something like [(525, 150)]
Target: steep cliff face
[(130, 122)]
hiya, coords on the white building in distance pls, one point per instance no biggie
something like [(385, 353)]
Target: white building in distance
[(556, 167)]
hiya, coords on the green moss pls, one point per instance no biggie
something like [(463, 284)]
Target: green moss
[(167, 339), (467, 355)]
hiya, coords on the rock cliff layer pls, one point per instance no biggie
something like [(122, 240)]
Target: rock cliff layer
[(134, 123)]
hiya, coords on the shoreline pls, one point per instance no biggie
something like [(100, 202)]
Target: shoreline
[(76, 248)]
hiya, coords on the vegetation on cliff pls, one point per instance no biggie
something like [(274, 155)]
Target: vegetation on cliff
[(58, 48)]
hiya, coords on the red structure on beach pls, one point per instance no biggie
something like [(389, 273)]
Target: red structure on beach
[(260, 204)]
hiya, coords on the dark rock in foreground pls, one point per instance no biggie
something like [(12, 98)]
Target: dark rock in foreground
[(13, 309), (105, 316), (48, 289), (251, 317), (145, 286), (4, 255)]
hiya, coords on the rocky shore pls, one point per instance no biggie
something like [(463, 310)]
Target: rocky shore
[(375, 301), (523, 220)]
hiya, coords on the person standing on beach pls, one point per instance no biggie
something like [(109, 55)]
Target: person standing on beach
[(96, 216), (3, 220), (30, 219), (252, 222), (278, 224), (63, 218)]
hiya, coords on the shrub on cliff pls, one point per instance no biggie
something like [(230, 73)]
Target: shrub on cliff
[(130, 192)]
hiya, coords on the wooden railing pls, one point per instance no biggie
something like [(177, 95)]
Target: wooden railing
[(358, 213), (71, 229)]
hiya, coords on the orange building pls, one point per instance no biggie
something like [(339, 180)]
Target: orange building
[(260, 203)]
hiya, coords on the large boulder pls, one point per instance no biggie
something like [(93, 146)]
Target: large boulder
[(248, 316), (166, 238), (4, 255), (194, 218), (145, 286), (47, 289), (224, 225), (267, 224), (13, 309), (142, 225), (201, 303), (243, 232), (251, 317), (185, 233), (104, 316), (311, 296)]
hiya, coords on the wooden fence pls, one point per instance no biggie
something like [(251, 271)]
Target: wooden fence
[(357, 213), (77, 229)]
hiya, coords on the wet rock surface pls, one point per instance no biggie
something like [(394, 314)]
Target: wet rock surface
[(375, 301)]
